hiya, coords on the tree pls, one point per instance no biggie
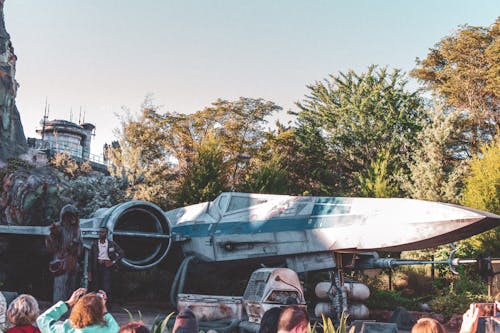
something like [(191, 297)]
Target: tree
[(374, 182), (143, 157), (156, 152), (240, 125), (205, 176), (482, 191), (358, 116), (437, 168), (463, 69)]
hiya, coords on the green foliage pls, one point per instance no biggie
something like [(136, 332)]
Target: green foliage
[(161, 155), (463, 70), (437, 166), (268, 177), (482, 186), (375, 181), (205, 176), (69, 166), (158, 326), (328, 326), (459, 294), (359, 116), (92, 192), (14, 164), (390, 299), (482, 191)]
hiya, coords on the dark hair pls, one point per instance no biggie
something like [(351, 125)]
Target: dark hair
[(134, 327), (269, 321), (293, 317), (185, 322)]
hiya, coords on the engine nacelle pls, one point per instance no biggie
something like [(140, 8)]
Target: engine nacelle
[(140, 228)]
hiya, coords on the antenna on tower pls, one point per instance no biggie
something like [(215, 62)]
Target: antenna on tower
[(80, 116), (45, 117), (71, 114), (84, 116)]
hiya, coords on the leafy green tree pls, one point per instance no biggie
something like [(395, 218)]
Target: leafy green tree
[(482, 191), (437, 168), (142, 157), (374, 182), (358, 116), (91, 192), (267, 177), (156, 152), (463, 69), (240, 125), (206, 174)]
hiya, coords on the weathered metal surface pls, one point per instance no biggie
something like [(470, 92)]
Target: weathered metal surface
[(211, 307), (301, 232), (271, 287), (238, 226)]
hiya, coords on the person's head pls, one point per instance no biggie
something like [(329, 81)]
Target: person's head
[(69, 215), (293, 319), (185, 322), (87, 311), (23, 310), (134, 327), (103, 233), (428, 325), (269, 321)]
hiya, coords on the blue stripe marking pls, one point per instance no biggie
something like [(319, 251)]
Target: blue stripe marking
[(254, 227)]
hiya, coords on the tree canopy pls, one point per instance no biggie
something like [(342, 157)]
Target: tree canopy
[(463, 69), (358, 116)]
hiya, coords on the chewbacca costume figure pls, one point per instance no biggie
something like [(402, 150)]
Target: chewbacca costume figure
[(65, 242)]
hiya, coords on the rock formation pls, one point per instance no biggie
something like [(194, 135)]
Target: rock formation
[(12, 139)]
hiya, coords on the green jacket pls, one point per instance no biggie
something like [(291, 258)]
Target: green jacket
[(47, 322)]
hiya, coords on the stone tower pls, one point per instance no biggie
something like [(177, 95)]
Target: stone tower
[(12, 139)]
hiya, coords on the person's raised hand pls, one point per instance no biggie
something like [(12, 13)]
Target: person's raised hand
[(470, 319), (76, 296)]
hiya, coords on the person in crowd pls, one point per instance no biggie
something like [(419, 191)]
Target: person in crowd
[(3, 309), (269, 321), (470, 320), (294, 320), (134, 327), (88, 315), (22, 313), (185, 322), (428, 325), (104, 256), (65, 243)]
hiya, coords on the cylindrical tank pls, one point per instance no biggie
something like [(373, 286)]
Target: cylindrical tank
[(356, 291), (356, 311)]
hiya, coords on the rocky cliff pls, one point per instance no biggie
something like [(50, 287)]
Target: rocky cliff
[(12, 139)]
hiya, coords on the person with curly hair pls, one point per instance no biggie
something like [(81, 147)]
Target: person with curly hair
[(88, 315), (22, 314)]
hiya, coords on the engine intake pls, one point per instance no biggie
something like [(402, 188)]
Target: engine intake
[(142, 230)]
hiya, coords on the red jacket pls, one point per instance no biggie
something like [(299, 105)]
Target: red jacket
[(23, 329)]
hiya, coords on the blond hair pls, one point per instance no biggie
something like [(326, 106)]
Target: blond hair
[(428, 325), (23, 310)]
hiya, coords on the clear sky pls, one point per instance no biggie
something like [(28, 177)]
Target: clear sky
[(103, 55)]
